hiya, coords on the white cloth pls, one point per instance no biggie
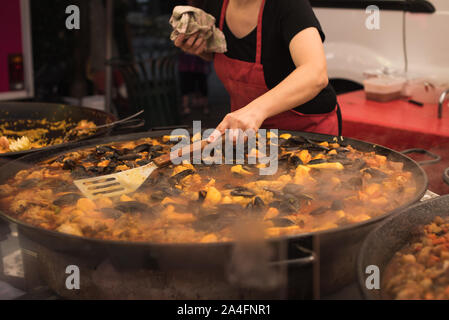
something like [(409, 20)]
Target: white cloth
[(189, 20)]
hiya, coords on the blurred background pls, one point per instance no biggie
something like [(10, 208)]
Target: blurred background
[(147, 71)]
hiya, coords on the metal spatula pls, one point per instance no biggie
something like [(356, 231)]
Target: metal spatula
[(129, 181)]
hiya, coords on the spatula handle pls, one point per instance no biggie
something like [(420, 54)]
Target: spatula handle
[(166, 158)]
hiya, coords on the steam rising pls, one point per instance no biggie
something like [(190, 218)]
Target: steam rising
[(249, 266)]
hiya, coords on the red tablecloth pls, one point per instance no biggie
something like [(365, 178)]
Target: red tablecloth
[(397, 114), (399, 125)]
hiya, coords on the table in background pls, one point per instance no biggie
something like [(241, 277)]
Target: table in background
[(399, 125)]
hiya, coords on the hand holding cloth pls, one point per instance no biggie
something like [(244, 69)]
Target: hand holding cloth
[(189, 20)]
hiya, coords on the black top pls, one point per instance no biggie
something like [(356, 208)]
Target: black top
[(282, 20)]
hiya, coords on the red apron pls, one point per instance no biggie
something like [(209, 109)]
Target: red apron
[(245, 81)]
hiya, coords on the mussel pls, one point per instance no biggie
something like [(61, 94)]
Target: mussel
[(104, 149), (317, 161), (69, 164), (292, 188), (294, 141), (143, 162), (242, 192), (79, 172), (295, 160), (282, 222), (202, 195), (129, 157), (133, 206), (337, 205), (28, 183), (229, 208), (319, 211), (375, 173), (258, 203), (354, 183), (289, 204), (142, 148), (67, 199), (181, 175), (112, 213)]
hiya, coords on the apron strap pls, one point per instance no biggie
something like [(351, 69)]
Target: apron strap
[(223, 13), (259, 34), (259, 27), (340, 120)]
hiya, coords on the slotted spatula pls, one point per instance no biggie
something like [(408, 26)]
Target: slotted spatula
[(129, 181)]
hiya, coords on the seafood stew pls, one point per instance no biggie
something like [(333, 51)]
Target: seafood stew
[(420, 270), (319, 186), (35, 134)]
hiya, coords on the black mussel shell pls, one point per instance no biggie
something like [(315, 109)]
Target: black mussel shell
[(129, 157), (229, 208), (343, 150), (112, 213), (375, 173), (337, 205), (202, 195), (293, 188), (258, 203), (295, 160), (357, 164), (317, 161), (143, 162), (103, 149), (92, 157), (132, 206), (355, 183), (142, 148), (343, 161), (29, 183), (80, 172), (158, 195), (296, 141), (290, 204), (319, 211), (276, 194), (181, 175), (95, 169), (275, 204), (69, 164), (242, 192), (67, 199), (156, 148), (282, 222)]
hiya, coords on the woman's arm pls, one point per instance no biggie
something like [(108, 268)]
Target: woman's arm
[(301, 86), (304, 83)]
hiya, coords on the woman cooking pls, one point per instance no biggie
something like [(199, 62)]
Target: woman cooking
[(275, 66)]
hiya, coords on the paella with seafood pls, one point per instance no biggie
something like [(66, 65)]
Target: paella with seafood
[(22, 135), (421, 269), (318, 186)]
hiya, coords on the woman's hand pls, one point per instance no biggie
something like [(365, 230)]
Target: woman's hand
[(247, 118), (194, 44)]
